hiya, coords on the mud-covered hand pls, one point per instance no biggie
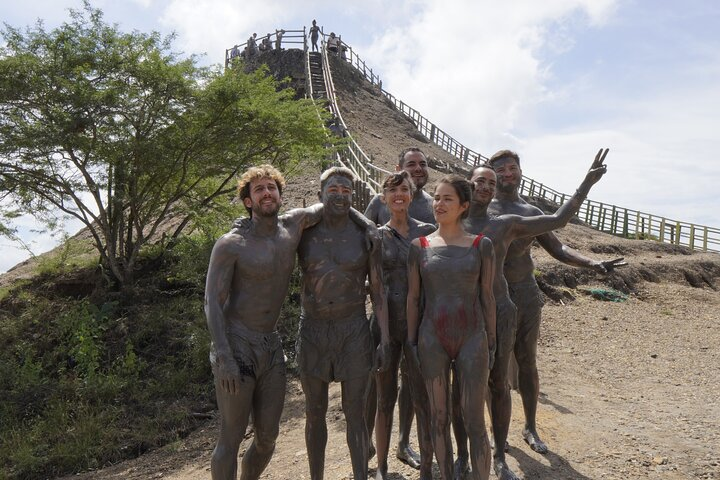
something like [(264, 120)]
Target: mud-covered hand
[(492, 350), (242, 223), (414, 356), (609, 265), (373, 239), (597, 170), (382, 358), (228, 374)]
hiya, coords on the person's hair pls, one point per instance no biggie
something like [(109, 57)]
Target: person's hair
[(502, 155), (395, 179), (463, 188), (342, 171), (475, 169), (401, 157), (256, 173)]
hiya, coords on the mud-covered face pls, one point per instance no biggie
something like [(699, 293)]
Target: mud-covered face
[(336, 195), (485, 181), (446, 204), (416, 165), (398, 197), (508, 174), (264, 197)]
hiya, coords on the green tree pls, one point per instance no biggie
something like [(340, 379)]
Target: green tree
[(120, 132)]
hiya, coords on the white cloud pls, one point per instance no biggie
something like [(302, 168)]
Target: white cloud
[(473, 67)]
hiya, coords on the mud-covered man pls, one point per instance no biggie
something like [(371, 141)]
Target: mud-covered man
[(247, 281), (503, 230), (413, 161), (524, 291), (334, 343)]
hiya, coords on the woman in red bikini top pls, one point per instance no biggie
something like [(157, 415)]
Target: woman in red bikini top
[(453, 271)]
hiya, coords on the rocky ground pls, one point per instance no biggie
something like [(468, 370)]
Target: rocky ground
[(629, 389)]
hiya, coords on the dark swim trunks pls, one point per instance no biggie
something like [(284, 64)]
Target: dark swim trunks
[(335, 351), (529, 301), (256, 353)]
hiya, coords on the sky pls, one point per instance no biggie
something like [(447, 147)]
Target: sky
[(553, 80)]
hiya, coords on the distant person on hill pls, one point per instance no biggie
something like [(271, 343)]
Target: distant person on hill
[(247, 281), (334, 343), (413, 161), (251, 48), (333, 43), (314, 34), (266, 44), (278, 39), (503, 230), (524, 292), (336, 127), (234, 53)]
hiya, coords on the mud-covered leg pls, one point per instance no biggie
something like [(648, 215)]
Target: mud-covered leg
[(316, 404), (461, 467), (529, 380), (234, 417), (268, 402), (471, 366), (406, 412), (387, 387), (353, 404), (421, 406)]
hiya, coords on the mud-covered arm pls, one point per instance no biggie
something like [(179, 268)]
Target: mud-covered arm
[(487, 296), (306, 217), (380, 307), (217, 289), (414, 291), (373, 240), (377, 292), (533, 226), (561, 252)]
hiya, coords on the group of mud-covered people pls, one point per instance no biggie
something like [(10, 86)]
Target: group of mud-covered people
[(454, 298)]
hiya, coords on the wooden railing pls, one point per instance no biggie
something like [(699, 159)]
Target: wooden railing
[(607, 218), (290, 37), (353, 156), (628, 223), (431, 131)]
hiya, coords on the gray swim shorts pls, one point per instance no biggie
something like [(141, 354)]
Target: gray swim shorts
[(335, 351), (256, 353)]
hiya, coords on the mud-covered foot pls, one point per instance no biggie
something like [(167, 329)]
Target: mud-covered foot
[(408, 456), (533, 439), (426, 474), (460, 468), (371, 451), (502, 471)]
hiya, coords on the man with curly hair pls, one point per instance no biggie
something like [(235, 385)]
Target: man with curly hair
[(247, 281)]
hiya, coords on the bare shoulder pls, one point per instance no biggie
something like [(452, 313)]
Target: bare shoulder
[(486, 246), (231, 241)]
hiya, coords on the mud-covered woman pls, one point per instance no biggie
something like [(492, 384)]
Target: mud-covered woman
[(396, 234), (450, 275)]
